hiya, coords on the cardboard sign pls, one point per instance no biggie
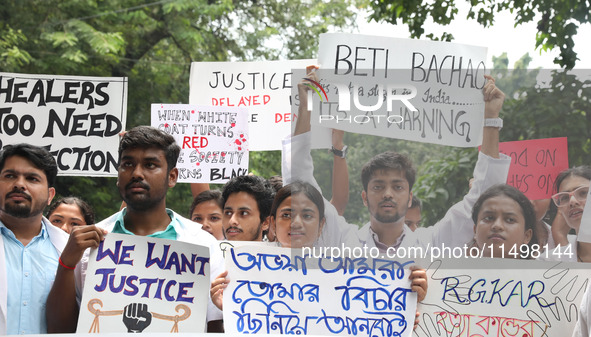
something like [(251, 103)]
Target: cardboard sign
[(78, 119), (584, 234), (279, 291), (535, 165), (262, 87), (142, 284), (225, 245), (417, 90), (214, 141), (502, 297)]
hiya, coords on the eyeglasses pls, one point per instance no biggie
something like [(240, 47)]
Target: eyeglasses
[(563, 198)]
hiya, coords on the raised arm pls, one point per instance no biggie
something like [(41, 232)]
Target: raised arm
[(340, 173), (493, 102), (303, 120), (457, 228), (298, 146), (336, 230), (62, 306)]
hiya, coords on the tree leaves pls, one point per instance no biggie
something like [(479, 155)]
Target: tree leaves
[(559, 21), (12, 56), (153, 44)]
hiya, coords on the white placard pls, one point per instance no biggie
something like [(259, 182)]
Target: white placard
[(279, 291), (584, 234), (214, 141), (143, 284), (372, 85), (502, 297), (263, 88), (78, 119)]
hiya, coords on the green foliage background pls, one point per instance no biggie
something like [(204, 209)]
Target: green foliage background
[(153, 44), (557, 20), (557, 107)]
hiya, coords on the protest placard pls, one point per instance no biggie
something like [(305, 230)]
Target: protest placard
[(416, 90), (226, 245), (535, 165), (280, 291), (262, 87), (584, 234), (502, 297), (143, 284), (214, 141), (78, 119)]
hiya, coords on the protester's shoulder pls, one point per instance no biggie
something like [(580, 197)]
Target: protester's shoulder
[(363, 230), (424, 230), (363, 233), (567, 253), (191, 231), (109, 222), (57, 236)]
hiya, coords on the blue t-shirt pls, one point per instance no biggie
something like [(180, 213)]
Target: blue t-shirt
[(30, 272)]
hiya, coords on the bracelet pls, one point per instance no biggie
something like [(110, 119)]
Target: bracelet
[(64, 265)]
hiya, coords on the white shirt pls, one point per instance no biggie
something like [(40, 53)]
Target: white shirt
[(58, 238), (582, 328), (454, 230)]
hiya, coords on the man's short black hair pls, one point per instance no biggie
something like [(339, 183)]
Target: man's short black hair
[(416, 203), (149, 137), (39, 156), (388, 160), (260, 189), (276, 182)]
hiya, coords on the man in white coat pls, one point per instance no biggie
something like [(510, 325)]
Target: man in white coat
[(147, 169), (30, 245)]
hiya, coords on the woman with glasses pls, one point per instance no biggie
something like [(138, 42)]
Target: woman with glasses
[(573, 186)]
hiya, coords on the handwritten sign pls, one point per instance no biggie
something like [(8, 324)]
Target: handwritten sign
[(214, 141), (78, 119), (142, 284), (495, 297), (262, 87), (535, 165), (417, 90), (225, 245), (277, 290), (584, 234)]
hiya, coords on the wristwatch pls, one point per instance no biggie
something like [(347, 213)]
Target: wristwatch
[(339, 153), (493, 123)]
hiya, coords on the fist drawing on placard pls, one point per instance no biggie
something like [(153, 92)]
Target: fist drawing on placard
[(136, 317)]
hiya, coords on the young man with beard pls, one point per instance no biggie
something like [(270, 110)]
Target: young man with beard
[(147, 160), (30, 245), (247, 205), (388, 179)]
